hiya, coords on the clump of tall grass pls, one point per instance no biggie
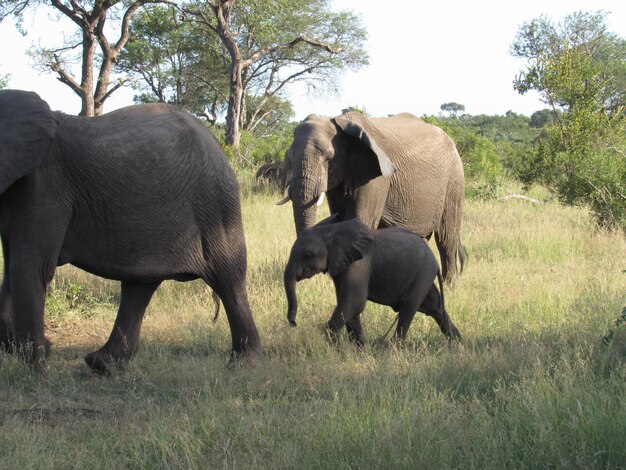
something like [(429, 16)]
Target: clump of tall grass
[(532, 384)]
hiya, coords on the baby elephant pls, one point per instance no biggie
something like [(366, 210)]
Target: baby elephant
[(390, 266)]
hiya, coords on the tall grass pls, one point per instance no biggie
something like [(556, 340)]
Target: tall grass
[(532, 384)]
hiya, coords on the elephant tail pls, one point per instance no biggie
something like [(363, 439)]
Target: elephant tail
[(440, 277), (462, 252), (216, 303)]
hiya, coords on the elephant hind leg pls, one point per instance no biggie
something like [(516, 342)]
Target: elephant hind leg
[(451, 251), (405, 318), (123, 342), (231, 290), (224, 271), (433, 306)]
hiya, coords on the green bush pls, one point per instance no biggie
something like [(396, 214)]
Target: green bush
[(583, 164), (253, 150), (479, 155)]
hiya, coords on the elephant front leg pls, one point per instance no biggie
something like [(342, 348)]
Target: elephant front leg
[(21, 311), (355, 331), (351, 299), (6, 322), (369, 201), (123, 342)]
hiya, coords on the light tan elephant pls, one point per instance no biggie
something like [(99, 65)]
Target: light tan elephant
[(395, 171)]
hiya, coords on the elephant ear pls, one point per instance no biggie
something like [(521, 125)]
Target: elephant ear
[(27, 130), (351, 241), (353, 125)]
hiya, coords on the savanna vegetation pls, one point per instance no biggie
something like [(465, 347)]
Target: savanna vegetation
[(540, 378), (532, 385)]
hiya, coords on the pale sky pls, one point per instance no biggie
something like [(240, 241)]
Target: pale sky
[(420, 57)]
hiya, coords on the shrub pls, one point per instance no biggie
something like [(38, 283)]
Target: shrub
[(254, 151), (479, 155)]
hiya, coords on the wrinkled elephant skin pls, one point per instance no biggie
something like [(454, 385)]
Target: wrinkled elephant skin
[(139, 195), (390, 266), (395, 171)]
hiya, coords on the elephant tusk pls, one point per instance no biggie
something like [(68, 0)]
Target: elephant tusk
[(320, 200), (284, 200)]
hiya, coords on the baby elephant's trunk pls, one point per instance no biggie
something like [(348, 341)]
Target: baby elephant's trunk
[(290, 290)]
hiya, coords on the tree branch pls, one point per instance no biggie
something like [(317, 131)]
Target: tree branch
[(64, 77), (77, 14), (288, 45)]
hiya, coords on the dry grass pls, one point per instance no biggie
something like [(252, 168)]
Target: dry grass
[(532, 385)]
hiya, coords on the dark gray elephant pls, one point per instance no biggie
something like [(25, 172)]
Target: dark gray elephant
[(396, 171), (390, 266), (270, 173), (140, 195)]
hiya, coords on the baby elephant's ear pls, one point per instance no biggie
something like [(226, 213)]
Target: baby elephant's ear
[(350, 243)]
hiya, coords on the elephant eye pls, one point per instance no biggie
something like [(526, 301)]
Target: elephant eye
[(308, 254)]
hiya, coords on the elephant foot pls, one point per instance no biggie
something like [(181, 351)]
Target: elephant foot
[(453, 334), (8, 345), (331, 334), (248, 356), (98, 364), (103, 363), (36, 356)]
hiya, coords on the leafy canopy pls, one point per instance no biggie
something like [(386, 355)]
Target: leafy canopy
[(577, 67)]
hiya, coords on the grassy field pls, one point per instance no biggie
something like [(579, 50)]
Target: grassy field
[(531, 386)]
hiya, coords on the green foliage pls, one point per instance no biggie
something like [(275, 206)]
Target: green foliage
[(358, 109), (172, 62), (579, 42), (195, 63), (583, 161), (65, 295), (253, 151), (512, 127), (532, 385), (479, 154), (267, 115), (4, 81), (577, 67), (542, 118), (452, 108)]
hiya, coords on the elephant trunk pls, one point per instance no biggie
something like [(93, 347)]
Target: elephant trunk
[(290, 279), (307, 190), (304, 215)]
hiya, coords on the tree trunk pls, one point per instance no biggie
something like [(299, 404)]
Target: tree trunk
[(86, 83), (233, 115)]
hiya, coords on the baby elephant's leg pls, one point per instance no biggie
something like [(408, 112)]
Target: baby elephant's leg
[(432, 306), (409, 307), (348, 315), (355, 331), (351, 299), (405, 318)]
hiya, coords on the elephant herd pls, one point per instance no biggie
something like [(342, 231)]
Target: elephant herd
[(145, 194)]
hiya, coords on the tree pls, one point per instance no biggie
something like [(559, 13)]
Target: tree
[(478, 153), (269, 45), (262, 119), (89, 46), (580, 36), (358, 109), (452, 108), (4, 81), (577, 68), (170, 61), (542, 118)]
